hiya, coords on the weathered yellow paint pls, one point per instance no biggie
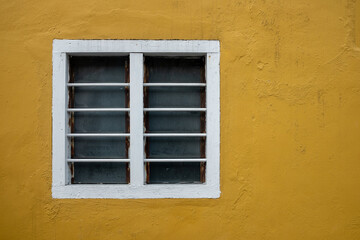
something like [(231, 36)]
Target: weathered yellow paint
[(290, 119)]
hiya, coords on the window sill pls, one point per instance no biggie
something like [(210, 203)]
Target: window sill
[(112, 191)]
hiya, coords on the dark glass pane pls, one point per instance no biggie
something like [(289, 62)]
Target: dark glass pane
[(97, 69), (100, 172), (174, 147), (175, 172), (99, 147), (174, 122), (97, 97), (174, 97), (175, 70), (100, 122)]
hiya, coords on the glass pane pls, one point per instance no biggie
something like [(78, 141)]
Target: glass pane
[(100, 172), (175, 147), (97, 69), (100, 122), (100, 147), (174, 172), (175, 70), (175, 122), (100, 97), (174, 97)]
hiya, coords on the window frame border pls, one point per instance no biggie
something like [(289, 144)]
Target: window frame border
[(136, 49)]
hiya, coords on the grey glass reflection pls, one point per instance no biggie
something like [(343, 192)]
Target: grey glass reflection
[(174, 97), (100, 122), (99, 97), (174, 122), (175, 70), (88, 69), (100, 173), (174, 172), (174, 147), (99, 147)]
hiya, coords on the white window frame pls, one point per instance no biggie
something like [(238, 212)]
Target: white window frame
[(136, 49)]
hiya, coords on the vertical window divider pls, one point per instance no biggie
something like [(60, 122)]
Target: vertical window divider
[(136, 119)]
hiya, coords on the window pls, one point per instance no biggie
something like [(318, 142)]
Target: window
[(136, 119)]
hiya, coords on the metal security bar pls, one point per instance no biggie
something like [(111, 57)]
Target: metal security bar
[(98, 84), (174, 84), (98, 109), (98, 134), (174, 134), (175, 160), (71, 160), (174, 109)]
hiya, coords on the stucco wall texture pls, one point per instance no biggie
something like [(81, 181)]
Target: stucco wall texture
[(290, 119)]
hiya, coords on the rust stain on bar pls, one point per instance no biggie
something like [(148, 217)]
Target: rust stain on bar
[(72, 172), (203, 124), (71, 92), (127, 119), (146, 123), (147, 169), (127, 173)]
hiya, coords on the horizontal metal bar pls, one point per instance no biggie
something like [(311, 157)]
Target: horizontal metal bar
[(128, 109), (98, 109), (175, 160), (98, 84), (174, 134), (174, 109), (98, 160), (174, 84), (98, 134)]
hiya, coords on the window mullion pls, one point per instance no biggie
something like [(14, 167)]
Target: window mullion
[(136, 120)]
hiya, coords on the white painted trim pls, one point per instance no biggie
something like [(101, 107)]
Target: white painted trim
[(136, 120), (213, 119), (144, 191), (61, 187), (58, 120), (136, 46)]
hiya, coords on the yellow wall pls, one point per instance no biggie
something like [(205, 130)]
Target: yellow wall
[(290, 119)]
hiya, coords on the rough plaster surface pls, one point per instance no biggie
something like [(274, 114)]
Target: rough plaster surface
[(290, 120)]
